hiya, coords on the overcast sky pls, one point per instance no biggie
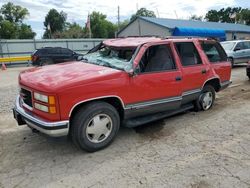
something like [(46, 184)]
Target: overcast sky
[(77, 10)]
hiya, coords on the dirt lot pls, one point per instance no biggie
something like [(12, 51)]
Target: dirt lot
[(196, 150)]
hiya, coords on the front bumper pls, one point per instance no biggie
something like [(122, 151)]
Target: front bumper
[(54, 129)]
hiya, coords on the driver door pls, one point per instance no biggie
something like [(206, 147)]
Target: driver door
[(157, 84)]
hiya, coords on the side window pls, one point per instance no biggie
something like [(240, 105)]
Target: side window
[(157, 58), (188, 53), (54, 51), (246, 45), (65, 51), (214, 52), (239, 46)]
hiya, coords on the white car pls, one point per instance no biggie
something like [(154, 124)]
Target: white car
[(238, 51)]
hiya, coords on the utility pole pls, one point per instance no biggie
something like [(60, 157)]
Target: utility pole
[(118, 18)]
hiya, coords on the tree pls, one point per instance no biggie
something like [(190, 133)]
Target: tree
[(223, 15), (73, 31), (100, 26), (143, 12), (244, 16), (196, 18), (8, 30), (54, 22), (11, 22), (25, 32), (14, 13)]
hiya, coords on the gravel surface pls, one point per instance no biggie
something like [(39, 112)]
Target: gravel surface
[(196, 150)]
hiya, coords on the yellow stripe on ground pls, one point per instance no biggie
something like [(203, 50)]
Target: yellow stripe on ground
[(14, 59)]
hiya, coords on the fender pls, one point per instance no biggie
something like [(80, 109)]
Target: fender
[(96, 98)]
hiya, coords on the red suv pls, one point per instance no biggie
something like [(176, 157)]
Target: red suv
[(124, 81)]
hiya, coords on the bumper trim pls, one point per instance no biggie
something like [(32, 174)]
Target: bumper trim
[(58, 128)]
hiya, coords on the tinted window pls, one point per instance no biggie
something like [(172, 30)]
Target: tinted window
[(188, 53), (54, 51), (239, 46), (66, 51), (214, 52), (157, 58)]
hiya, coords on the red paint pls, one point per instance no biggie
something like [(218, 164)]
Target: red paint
[(74, 82)]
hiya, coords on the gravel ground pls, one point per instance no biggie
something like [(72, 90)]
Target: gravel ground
[(196, 150)]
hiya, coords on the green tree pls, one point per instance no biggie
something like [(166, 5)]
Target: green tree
[(195, 17), (25, 32), (143, 12), (72, 31), (54, 21), (244, 16), (11, 22), (8, 30), (223, 15), (13, 13), (101, 27)]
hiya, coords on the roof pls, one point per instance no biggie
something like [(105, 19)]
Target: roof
[(173, 23), (130, 41), (137, 41)]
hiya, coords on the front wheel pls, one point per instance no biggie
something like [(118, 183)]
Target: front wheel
[(206, 99), (95, 126)]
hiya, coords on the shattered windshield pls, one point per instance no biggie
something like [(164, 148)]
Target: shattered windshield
[(117, 58)]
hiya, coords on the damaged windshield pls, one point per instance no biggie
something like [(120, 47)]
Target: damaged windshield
[(117, 58)]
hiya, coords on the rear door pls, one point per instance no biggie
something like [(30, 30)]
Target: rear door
[(194, 70), (217, 57)]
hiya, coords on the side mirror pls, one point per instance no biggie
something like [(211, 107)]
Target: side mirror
[(128, 69)]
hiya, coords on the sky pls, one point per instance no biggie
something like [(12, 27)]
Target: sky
[(77, 10)]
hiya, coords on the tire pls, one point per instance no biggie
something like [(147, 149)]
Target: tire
[(95, 126), (206, 99), (231, 61)]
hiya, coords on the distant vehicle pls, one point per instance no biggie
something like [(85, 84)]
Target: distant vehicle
[(53, 55), (238, 51), (248, 70)]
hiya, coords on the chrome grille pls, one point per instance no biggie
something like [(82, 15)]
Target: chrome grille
[(26, 95)]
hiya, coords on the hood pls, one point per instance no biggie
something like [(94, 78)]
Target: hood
[(61, 76)]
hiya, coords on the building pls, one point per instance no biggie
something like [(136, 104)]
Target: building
[(142, 26)]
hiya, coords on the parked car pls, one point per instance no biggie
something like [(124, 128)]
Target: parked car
[(248, 70), (126, 81), (53, 55), (238, 51)]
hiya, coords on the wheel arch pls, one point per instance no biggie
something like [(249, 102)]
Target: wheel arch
[(115, 101), (215, 82)]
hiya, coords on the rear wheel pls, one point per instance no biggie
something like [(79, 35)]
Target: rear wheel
[(206, 98), (95, 126)]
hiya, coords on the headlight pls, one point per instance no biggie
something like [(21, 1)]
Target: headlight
[(41, 107), (41, 97)]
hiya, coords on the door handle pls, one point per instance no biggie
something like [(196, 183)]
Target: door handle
[(178, 78), (203, 71)]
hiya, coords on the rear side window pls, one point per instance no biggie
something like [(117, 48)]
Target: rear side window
[(66, 51), (214, 52), (54, 51), (188, 53)]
